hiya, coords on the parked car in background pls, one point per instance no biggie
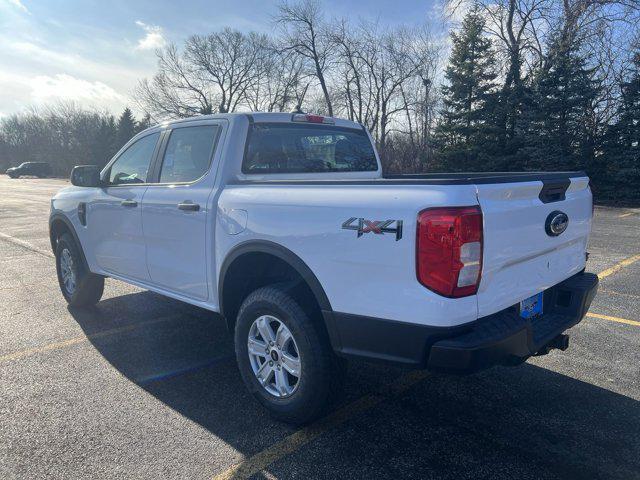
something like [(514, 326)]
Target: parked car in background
[(36, 169), (285, 225)]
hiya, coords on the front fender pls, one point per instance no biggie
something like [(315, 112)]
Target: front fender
[(59, 224)]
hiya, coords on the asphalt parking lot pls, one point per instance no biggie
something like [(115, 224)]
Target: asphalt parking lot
[(142, 386)]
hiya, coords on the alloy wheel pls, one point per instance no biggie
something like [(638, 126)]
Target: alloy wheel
[(274, 356), (67, 271)]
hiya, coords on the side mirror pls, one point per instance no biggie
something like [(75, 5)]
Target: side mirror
[(85, 176)]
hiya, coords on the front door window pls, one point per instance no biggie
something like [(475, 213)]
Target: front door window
[(132, 166)]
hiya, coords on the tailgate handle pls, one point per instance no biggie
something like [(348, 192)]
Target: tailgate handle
[(554, 190)]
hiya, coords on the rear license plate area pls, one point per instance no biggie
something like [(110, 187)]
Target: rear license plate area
[(531, 307)]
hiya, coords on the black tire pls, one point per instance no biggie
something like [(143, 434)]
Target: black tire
[(88, 286), (322, 373)]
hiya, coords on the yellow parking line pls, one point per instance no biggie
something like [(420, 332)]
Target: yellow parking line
[(44, 348), (613, 292), (76, 340), (618, 266), (298, 439), (614, 319), (610, 271), (626, 214)]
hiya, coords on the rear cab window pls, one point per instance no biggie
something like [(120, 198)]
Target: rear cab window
[(307, 148)]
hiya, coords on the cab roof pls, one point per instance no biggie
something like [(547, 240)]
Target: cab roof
[(258, 117)]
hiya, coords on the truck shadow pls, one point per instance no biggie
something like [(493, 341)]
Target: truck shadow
[(525, 422)]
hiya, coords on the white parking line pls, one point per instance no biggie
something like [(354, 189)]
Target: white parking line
[(24, 244)]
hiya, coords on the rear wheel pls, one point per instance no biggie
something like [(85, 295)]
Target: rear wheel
[(284, 360), (79, 286)]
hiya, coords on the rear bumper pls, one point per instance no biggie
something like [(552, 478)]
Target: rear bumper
[(501, 338)]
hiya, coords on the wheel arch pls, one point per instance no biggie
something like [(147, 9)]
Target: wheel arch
[(264, 250), (59, 224)]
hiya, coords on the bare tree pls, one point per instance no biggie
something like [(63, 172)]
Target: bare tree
[(383, 73), (398, 61), (213, 73), (353, 58), (421, 96), (281, 82), (515, 24), (229, 60), (176, 90), (305, 33)]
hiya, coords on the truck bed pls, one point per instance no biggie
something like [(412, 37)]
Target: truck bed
[(465, 178)]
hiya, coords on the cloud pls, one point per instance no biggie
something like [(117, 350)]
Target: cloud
[(19, 5), (41, 59), (40, 75), (153, 38), (14, 92), (45, 88)]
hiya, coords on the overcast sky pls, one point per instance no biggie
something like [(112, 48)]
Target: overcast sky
[(95, 51)]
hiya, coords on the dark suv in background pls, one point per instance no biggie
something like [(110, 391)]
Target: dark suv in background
[(38, 169)]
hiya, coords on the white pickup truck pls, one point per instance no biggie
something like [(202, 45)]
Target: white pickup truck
[(286, 226)]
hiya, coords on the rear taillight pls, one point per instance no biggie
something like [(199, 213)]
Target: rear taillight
[(449, 250)]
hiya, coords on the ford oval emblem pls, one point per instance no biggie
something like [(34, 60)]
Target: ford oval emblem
[(557, 222)]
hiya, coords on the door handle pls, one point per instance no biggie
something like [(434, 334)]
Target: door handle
[(189, 206), (129, 203)]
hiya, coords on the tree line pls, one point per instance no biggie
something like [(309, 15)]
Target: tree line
[(518, 85), (65, 135)]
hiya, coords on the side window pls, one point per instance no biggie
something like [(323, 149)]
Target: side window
[(188, 154), (132, 166)]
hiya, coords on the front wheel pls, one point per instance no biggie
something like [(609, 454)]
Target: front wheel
[(79, 286), (285, 362)]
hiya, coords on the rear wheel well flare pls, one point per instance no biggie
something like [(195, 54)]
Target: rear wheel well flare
[(254, 265)]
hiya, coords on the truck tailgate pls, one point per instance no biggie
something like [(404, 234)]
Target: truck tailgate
[(520, 258)]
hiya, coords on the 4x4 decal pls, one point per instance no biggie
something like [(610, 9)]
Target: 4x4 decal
[(379, 227)]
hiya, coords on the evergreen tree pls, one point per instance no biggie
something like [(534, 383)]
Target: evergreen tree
[(622, 144), (514, 99), (126, 127), (561, 130), (105, 143), (143, 123), (466, 133)]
